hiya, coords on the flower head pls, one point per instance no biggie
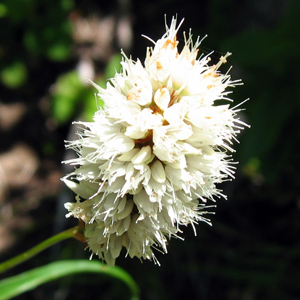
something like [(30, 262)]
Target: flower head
[(155, 151)]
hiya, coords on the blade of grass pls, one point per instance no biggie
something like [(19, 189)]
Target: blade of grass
[(29, 280)]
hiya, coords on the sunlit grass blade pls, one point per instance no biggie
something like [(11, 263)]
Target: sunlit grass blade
[(29, 280)]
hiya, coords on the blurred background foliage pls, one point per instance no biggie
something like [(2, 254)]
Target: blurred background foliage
[(49, 48)]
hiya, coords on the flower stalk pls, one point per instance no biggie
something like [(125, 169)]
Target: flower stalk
[(72, 232)]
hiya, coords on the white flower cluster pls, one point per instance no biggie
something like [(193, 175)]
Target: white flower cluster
[(154, 152)]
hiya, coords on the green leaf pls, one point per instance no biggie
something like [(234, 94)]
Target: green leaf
[(58, 51), (3, 10), (113, 66), (66, 96), (14, 75), (91, 103), (29, 280)]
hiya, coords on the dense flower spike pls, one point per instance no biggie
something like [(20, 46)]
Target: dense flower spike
[(156, 149)]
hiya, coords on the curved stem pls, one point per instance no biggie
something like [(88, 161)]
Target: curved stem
[(72, 232)]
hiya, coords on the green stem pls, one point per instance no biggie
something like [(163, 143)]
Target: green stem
[(72, 232)]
